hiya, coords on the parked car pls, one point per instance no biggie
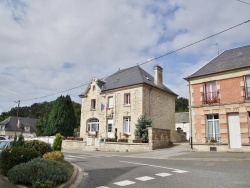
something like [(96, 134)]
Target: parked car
[(4, 137), (5, 144)]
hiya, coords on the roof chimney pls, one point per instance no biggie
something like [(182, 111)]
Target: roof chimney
[(158, 75)]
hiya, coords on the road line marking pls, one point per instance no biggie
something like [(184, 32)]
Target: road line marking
[(142, 164), (163, 174), (102, 187), (180, 171), (125, 183), (145, 178)]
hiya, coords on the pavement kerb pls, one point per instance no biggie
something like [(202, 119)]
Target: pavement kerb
[(72, 179)]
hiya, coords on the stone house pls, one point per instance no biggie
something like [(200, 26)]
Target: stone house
[(13, 125), (220, 102), (116, 103)]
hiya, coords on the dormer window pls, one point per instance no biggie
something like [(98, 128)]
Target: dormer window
[(93, 88), (2, 127), (27, 129), (93, 104)]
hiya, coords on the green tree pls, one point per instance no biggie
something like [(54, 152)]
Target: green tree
[(141, 131), (57, 145), (40, 125), (181, 105), (62, 118)]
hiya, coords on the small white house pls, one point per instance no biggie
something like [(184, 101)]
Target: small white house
[(182, 121)]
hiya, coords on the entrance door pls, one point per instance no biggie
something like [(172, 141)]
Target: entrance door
[(110, 128), (234, 131)]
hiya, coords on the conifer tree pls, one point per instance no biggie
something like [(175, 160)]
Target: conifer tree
[(141, 131), (62, 118)]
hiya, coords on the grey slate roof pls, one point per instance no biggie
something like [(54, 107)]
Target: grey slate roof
[(131, 76), (11, 124), (182, 117), (228, 60)]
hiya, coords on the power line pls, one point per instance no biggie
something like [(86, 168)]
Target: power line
[(243, 2), (171, 52)]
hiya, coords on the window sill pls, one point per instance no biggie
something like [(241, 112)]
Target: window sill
[(127, 105), (92, 109)]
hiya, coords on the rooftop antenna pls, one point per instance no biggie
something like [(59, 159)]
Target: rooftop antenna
[(217, 45)]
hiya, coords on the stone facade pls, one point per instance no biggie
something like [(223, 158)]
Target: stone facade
[(231, 101), (156, 102)]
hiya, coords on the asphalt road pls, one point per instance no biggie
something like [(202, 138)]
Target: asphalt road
[(162, 168)]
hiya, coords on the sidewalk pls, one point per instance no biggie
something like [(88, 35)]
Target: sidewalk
[(6, 184), (182, 151)]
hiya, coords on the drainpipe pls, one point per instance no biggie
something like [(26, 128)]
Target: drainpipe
[(190, 117)]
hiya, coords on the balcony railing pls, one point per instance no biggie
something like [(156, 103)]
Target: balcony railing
[(211, 97)]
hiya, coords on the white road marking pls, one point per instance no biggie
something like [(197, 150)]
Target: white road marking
[(145, 178), (163, 174), (125, 183), (102, 187), (142, 164), (180, 171)]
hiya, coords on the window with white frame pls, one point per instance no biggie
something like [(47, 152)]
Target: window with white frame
[(126, 124), (93, 104), (27, 129), (127, 98), (2, 127), (110, 102), (210, 94), (212, 127), (93, 125), (247, 86)]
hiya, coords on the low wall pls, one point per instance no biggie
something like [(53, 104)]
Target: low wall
[(124, 147), (47, 139), (158, 138), (220, 148), (73, 144)]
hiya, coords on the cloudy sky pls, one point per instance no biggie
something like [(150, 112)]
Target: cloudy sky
[(51, 46)]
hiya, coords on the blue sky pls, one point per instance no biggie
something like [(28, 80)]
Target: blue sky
[(51, 46)]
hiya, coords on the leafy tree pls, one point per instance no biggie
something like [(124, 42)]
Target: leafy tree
[(141, 131), (62, 118), (57, 145), (181, 105), (40, 125)]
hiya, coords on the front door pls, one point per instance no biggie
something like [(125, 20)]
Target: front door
[(234, 131), (110, 128)]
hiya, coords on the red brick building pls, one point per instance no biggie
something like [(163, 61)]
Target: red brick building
[(220, 103)]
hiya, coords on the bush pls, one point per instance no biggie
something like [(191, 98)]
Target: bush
[(39, 169), (14, 156), (18, 142), (123, 140), (54, 155), (40, 146), (110, 140), (57, 145), (43, 184)]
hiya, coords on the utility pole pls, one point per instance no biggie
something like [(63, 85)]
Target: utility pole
[(18, 104)]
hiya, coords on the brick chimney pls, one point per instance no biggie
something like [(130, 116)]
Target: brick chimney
[(158, 75)]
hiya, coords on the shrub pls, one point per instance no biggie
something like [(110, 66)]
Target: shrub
[(110, 140), (54, 155), (123, 140), (39, 170), (18, 142), (14, 156), (141, 131), (43, 184), (57, 145), (40, 146)]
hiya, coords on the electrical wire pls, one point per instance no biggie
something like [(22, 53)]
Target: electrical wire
[(166, 54)]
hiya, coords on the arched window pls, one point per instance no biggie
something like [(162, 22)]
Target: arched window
[(93, 125)]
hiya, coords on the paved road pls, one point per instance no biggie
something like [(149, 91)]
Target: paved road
[(175, 167)]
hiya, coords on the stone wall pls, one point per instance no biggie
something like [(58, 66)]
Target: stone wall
[(73, 144), (179, 136), (124, 147), (158, 138)]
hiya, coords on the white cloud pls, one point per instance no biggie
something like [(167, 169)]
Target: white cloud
[(50, 46)]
